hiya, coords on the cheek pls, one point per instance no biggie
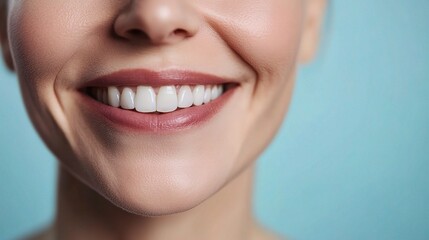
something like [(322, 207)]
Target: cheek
[(272, 46), (266, 34), (38, 38), (272, 38), (39, 48), (42, 43), (43, 40)]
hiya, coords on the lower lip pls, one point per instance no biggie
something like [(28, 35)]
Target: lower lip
[(157, 123)]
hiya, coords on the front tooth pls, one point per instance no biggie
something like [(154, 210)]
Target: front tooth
[(166, 100), (207, 95), (185, 97), (198, 95), (145, 100), (113, 96), (127, 98), (214, 92)]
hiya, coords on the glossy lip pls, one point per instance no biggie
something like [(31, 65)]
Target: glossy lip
[(159, 123), (135, 77)]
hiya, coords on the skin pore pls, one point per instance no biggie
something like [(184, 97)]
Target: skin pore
[(193, 184)]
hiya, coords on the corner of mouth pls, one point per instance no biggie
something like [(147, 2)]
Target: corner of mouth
[(163, 112)]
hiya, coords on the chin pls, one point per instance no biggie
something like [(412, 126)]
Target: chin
[(156, 187), (158, 204)]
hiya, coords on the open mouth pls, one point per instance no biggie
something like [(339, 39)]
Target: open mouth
[(161, 102), (157, 100)]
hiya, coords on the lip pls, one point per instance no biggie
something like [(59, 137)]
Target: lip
[(159, 123), (134, 77)]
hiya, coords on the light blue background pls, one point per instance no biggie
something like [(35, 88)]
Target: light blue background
[(351, 162)]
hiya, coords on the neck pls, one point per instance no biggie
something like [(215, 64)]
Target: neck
[(84, 214)]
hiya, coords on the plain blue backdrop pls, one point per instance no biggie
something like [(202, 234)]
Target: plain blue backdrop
[(350, 162)]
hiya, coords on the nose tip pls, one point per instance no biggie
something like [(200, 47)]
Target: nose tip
[(156, 21)]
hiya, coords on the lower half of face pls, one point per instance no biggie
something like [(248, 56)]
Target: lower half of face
[(156, 116)]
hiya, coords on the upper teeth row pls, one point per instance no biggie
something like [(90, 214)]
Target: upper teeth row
[(144, 99)]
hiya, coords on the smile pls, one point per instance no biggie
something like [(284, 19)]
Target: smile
[(156, 101), (164, 99)]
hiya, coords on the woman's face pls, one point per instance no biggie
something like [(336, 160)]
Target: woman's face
[(149, 162)]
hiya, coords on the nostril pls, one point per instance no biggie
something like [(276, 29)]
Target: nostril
[(180, 32), (137, 33)]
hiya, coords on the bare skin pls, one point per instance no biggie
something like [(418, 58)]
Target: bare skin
[(115, 183), (84, 214)]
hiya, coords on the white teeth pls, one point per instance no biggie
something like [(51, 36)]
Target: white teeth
[(185, 97), (127, 98), (113, 96), (198, 95), (214, 92), (166, 100), (145, 100), (207, 95)]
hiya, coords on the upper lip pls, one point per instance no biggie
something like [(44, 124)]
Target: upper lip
[(138, 77)]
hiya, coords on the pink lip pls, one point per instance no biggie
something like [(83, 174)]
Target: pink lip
[(155, 122), (134, 77)]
